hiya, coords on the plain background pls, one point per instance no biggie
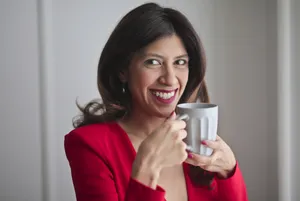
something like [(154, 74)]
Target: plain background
[(49, 50)]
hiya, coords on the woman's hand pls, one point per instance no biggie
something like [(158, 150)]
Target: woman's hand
[(162, 148), (222, 161)]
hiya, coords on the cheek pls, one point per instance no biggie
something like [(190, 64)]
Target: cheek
[(183, 77), (141, 80)]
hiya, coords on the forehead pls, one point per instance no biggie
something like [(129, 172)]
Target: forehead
[(169, 46)]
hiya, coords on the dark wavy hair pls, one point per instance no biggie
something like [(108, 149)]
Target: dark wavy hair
[(136, 30)]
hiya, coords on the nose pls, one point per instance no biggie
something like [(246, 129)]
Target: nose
[(168, 77)]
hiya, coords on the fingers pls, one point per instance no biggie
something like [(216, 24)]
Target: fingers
[(210, 168), (190, 161), (171, 126), (218, 138), (182, 117), (180, 135), (182, 151), (200, 160), (221, 161), (217, 144), (212, 144)]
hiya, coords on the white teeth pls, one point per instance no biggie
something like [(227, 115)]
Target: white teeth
[(164, 95)]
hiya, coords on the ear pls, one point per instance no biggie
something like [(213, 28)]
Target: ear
[(123, 76)]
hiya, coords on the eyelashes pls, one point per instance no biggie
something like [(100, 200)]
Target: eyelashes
[(181, 62), (157, 63), (152, 62)]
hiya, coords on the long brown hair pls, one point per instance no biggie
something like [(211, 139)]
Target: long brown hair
[(137, 29)]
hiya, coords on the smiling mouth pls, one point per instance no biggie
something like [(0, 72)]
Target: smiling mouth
[(164, 94)]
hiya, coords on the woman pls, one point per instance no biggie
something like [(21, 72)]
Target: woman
[(130, 147)]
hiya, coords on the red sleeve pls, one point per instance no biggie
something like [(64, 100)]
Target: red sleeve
[(232, 188), (94, 181)]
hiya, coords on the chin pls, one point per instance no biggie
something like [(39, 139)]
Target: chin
[(166, 112)]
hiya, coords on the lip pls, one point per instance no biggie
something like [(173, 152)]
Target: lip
[(164, 101), (164, 90)]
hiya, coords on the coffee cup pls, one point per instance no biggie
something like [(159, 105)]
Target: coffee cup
[(201, 124)]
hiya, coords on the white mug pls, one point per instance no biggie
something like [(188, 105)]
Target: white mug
[(202, 124)]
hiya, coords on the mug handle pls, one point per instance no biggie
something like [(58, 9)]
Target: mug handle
[(183, 117)]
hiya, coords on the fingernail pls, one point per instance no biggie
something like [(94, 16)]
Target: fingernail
[(190, 155), (203, 142)]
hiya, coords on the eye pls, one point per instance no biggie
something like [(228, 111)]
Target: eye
[(181, 62), (152, 62)]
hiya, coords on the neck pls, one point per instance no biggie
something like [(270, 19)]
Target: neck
[(141, 124)]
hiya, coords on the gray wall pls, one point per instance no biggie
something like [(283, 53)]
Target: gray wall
[(20, 158), (296, 98), (271, 93), (240, 41), (239, 77)]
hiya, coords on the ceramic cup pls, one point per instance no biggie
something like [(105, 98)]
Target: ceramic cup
[(202, 124)]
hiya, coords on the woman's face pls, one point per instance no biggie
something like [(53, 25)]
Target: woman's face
[(158, 76)]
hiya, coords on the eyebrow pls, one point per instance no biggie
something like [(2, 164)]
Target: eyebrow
[(160, 56)]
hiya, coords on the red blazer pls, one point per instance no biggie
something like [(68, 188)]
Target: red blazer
[(101, 157)]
